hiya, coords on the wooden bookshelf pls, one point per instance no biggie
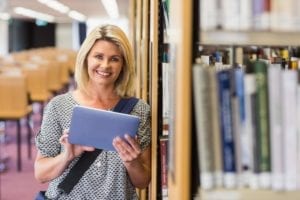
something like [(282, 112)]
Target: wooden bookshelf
[(181, 59), (139, 26), (153, 58), (180, 35), (146, 40), (137, 45)]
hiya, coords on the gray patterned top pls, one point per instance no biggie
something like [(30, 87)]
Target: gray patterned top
[(107, 177)]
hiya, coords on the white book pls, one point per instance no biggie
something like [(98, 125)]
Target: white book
[(289, 125), (284, 15), (202, 101), (165, 97), (298, 134), (245, 15), (276, 134), (208, 14), (230, 14), (216, 132), (249, 137)]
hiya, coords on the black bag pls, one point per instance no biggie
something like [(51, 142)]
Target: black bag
[(40, 195), (124, 106)]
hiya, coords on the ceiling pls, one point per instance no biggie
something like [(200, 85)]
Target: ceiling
[(89, 8)]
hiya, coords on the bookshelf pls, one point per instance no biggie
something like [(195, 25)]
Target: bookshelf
[(153, 58), (182, 54), (180, 38), (139, 26)]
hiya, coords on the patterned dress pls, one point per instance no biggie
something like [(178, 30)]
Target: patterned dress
[(107, 178)]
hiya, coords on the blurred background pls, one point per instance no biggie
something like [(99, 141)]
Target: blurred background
[(38, 44)]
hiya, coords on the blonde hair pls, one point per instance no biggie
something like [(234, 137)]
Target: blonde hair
[(124, 84)]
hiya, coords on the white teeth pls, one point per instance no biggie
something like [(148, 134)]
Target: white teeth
[(103, 73)]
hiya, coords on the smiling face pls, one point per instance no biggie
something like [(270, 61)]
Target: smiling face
[(104, 62)]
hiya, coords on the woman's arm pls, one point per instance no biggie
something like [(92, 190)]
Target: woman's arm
[(48, 168), (137, 162)]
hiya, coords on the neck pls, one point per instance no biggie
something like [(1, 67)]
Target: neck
[(104, 100)]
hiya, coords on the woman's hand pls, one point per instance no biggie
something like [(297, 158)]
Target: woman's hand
[(136, 161), (128, 149), (71, 150), (48, 168)]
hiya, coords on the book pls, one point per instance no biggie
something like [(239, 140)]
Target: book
[(97, 128), (208, 15), (163, 145), (245, 11), (261, 14), (262, 128), (230, 14), (276, 132), (165, 97), (201, 89), (289, 127), (215, 129), (228, 149), (249, 141), (238, 120), (298, 129)]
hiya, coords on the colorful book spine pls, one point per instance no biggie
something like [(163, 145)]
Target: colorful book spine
[(238, 120), (229, 166), (164, 165), (263, 133)]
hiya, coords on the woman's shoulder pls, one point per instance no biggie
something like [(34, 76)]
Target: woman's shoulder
[(142, 105), (61, 99)]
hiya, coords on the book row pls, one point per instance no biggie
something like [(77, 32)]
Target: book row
[(273, 15), (246, 126)]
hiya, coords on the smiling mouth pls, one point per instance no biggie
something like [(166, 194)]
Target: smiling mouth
[(104, 74)]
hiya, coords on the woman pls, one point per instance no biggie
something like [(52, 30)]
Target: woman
[(104, 74)]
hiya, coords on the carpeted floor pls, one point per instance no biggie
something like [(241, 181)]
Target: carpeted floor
[(16, 185)]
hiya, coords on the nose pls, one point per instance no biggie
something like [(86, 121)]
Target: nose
[(105, 63)]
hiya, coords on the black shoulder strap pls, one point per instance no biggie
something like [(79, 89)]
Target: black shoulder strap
[(87, 158)]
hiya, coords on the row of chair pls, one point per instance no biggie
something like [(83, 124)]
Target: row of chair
[(27, 77)]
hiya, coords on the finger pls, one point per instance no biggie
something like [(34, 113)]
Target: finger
[(116, 144), (88, 148), (133, 143), (123, 152), (63, 138)]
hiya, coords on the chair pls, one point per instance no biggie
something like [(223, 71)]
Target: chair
[(14, 106), (37, 83)]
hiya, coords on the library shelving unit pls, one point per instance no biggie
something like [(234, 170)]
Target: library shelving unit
[(181, 50), (180, 39), (139, 19), (153, 58)]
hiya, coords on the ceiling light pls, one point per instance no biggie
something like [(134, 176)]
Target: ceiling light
[(55, 5), (33, 14), (4, 16), (111, 8), (77, 15)]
